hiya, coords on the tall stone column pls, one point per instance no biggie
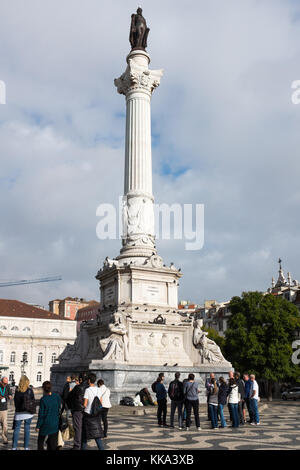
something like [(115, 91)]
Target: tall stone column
[(137, 84)]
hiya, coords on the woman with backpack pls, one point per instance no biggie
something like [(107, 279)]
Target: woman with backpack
[(24, 411), (91, 425)]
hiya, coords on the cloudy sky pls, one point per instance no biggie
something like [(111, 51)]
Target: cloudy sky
[(224, 129)]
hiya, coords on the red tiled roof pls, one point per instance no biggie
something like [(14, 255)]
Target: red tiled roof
[(15, 308)]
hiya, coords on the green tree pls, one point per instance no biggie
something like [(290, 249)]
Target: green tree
[(260, 335)]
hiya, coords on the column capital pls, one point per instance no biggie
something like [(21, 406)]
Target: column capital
[(138, 77)]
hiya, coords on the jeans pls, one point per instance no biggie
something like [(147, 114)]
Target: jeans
[(51, 441), (103, 416), (234, 411), (195, 405), (247, 401), (221, 413), (77, 425), (254, 409), (176, 404), (98, 441), (213, 413), (162, 411), (17, 427)]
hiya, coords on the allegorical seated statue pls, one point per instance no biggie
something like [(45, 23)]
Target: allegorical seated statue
[(209, 350), (138, 31), (115, 346)]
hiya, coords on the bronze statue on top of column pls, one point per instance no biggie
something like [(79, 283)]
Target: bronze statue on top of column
[(138, 31)]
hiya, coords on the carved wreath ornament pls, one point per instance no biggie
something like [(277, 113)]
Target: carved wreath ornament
[(136, 77)]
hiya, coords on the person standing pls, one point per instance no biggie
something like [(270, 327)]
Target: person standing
[(175, 392), (254, 401), (5, 396), (241, 385), (222, 400), (248, 393), (161, 397), (91, 425), (23, 399), (190, 391), (208, 383), (213, 403), (75, 404), (106, 404), (233, 402), (48, 418)]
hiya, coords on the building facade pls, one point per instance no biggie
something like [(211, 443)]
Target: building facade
[(87, 313), (68, 307), (31, 340)]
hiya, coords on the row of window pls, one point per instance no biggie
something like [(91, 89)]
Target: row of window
[(40, 357), (11, 377), (16, 328)]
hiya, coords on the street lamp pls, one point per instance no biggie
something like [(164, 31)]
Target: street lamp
[(24, 362)]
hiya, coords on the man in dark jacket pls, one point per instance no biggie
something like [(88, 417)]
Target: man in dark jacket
[(75, 403), (161, 397), (175, 393), (241, 386)]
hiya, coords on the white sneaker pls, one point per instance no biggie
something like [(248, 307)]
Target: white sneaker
[(199, 429), (187, 429)]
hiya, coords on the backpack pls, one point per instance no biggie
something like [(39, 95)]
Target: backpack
[(127, 401), (29, 402), (96, 407), (174, 390), (153, 386)]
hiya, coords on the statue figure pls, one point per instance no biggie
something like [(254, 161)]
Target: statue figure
[(138, 31), (115, 346), (209, 350)]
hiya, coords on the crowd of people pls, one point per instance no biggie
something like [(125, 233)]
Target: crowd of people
[(83, 400), (86, 402), (238, 393)]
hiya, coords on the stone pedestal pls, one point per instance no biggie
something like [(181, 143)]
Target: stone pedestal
[(127, 380)]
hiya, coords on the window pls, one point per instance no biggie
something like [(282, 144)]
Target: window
[(15, 328), (11, 377), (12, 357), (53, 358), (1, 357), (40, 358), (39, 377)]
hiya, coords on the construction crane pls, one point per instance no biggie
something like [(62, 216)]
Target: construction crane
[(30, 281)]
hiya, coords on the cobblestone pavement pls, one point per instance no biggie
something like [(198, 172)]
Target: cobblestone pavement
[(279, 430)]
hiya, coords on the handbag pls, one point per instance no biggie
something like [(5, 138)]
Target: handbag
[(60, 441)]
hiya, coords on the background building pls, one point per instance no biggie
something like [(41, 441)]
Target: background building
[(31, 339), (68, 307), (87, 313)]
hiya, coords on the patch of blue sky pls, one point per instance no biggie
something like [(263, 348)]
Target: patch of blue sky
[(8, 182), (173, 171)]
